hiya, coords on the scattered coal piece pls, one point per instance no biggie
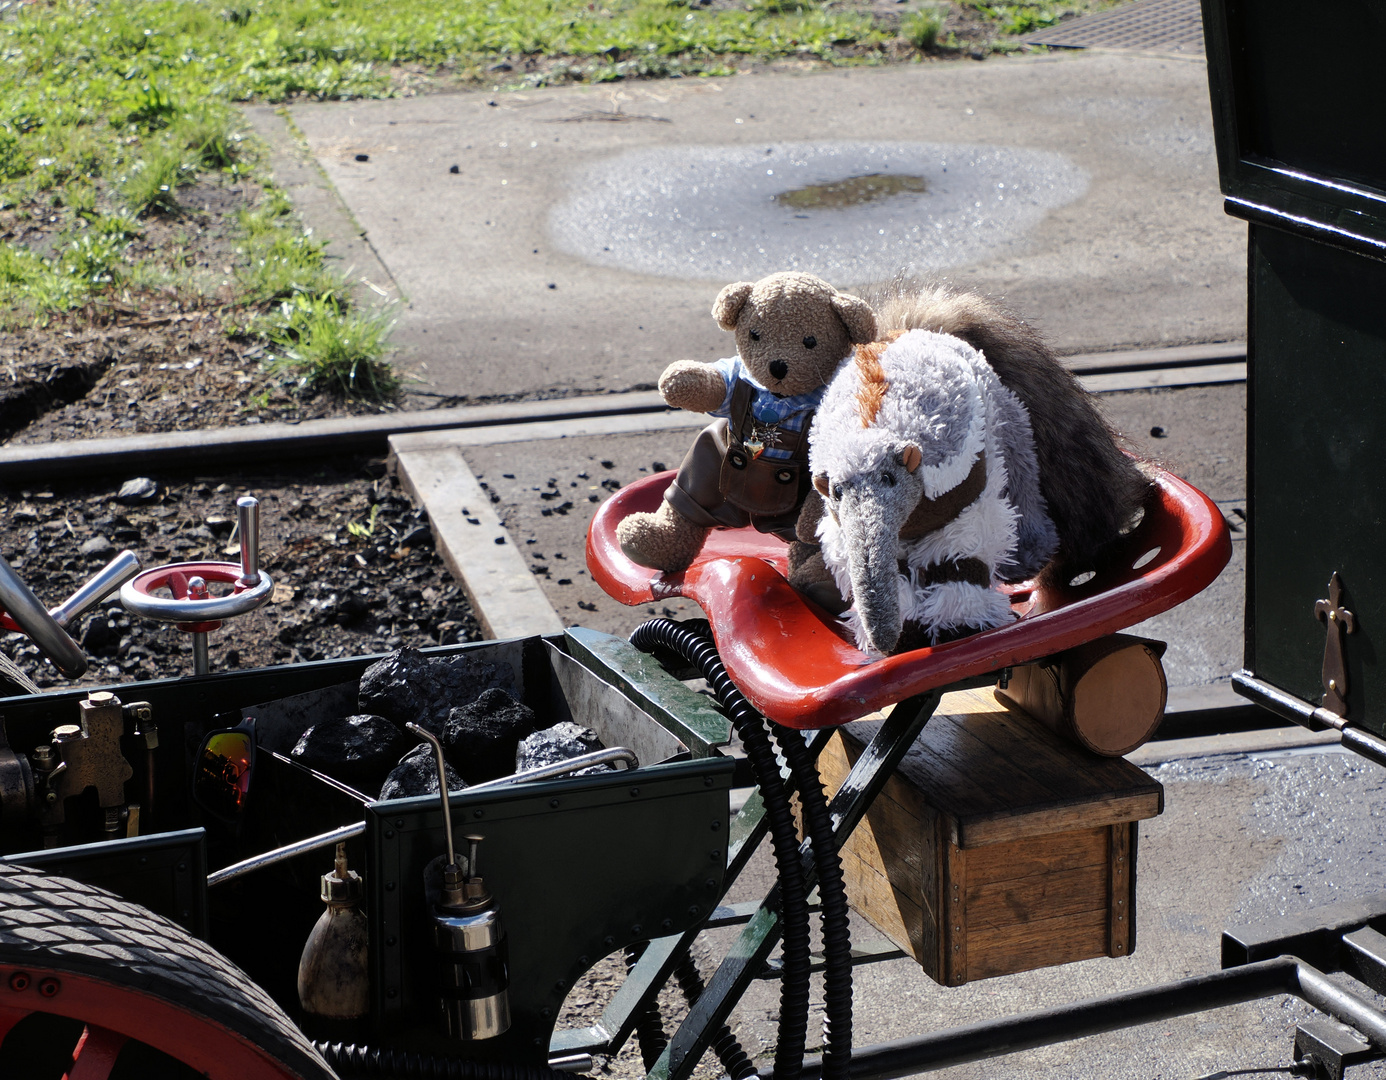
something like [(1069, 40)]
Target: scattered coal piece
[(417, 774), (98, 547), (357, 750), (481, 738), (562, 742), (408, 687)]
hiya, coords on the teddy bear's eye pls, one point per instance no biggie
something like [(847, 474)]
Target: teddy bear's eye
[(837, 491), (810, 341), (755, 335), (888, 478)]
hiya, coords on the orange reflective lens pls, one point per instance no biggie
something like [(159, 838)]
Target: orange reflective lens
[(223, 772)]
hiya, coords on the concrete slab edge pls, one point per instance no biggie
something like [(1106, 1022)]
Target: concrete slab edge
[(478, 551), (321, 208)]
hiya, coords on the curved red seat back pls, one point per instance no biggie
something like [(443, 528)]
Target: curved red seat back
[(798, 666)]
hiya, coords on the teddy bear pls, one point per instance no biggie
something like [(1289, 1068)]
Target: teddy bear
[(750, 467)]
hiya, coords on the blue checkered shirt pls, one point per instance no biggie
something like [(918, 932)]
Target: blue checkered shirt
[(769, 409)]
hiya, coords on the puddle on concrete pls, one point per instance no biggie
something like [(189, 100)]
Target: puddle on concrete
[(851, 212), (854, 191)]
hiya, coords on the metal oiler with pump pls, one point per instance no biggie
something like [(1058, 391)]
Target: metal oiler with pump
[(469, 934)]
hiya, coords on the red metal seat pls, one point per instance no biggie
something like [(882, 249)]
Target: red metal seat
[(796, 663)]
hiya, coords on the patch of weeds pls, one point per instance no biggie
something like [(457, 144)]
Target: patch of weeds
[(921, 28), (209, 138), (95, 259), (149, 108), (364, 530), (324, 346), (14, 162), (1017, 19), (32, 285), (152, 183)]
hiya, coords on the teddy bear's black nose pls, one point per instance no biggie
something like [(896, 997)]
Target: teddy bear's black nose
[(779, 369)]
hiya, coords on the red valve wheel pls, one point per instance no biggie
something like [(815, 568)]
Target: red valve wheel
[(194, 609)]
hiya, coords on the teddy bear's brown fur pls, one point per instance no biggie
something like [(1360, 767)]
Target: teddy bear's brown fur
[(792, 331)]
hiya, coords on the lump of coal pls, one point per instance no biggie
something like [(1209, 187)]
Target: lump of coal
[(408, 687), (562, 742), (357, 750), (417, 774), (481, 738)]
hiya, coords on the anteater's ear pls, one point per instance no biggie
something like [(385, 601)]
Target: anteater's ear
[(857, 316), (821, 483), (726, 309), (910, 457)]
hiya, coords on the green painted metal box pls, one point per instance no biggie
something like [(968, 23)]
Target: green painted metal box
[(1301, 143)]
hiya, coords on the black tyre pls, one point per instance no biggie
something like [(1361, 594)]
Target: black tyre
[(73, 950)]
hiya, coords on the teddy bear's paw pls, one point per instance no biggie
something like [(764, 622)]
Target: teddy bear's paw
[(662, 541)]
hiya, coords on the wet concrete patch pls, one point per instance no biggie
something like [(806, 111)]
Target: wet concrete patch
[(745, 211)]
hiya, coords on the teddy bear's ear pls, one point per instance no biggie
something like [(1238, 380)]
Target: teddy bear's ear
[(858, 317), (821, 483), (727, 308)]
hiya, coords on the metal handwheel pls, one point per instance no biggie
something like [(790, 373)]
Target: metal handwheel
[(192, 607)]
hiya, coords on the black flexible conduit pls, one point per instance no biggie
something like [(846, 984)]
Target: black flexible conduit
[(351, 1060), (725, 1046), (750, 725), (695, 647), (832, 895), (649, 1024)]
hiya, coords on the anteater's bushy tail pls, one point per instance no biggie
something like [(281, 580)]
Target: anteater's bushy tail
[(1093, 489)]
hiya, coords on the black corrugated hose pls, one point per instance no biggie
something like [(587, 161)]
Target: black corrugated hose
[(750, 725), (649, 1024), (351, 1060), (694, 646), (725, 1046), (832, 895)]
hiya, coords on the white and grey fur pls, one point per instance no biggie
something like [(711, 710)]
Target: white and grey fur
[(941, 407), (1093, 490)]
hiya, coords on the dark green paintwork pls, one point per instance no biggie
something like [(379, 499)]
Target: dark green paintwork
[(1301, 142), (580, 868), (1301, 134), (1317, 396), (688, 714)]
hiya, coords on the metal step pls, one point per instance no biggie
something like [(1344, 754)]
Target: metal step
[(1364, 957)]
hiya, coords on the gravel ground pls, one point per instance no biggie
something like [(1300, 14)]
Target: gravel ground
[(352, 560)]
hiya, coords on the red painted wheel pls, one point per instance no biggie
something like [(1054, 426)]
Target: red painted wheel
[(69, 950)]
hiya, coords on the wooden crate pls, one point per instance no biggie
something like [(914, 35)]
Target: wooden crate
[(996, 847)]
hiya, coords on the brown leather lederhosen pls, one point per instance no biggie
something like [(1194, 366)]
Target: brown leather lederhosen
[(721, 483)]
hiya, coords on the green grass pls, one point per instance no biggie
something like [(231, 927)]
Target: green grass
[(320, 343), (108, 109), (921, 28)]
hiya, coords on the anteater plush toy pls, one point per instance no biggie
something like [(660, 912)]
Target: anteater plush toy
[(948, 467)]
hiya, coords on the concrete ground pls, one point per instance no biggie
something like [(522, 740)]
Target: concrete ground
[(586, 230), (568, 253)]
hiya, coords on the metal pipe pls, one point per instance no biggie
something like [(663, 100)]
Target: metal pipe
[(109, 578), (996, 1038), (202, 664), (248, 528), (26, 610), (1357, 739), (288, 851), (336, 836), (424, 733)]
